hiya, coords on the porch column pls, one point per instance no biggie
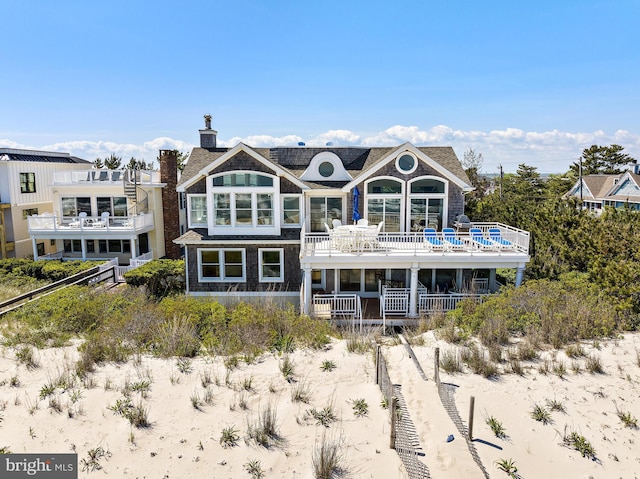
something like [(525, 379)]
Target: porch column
[(34, 246), (413, 292), (492, 280), (519, 275), (83, 247), (134, 247), (306, 307), (459, 279)]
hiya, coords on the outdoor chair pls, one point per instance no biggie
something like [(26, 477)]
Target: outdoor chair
[(496, 236), (431, 239), (102, 222), (480, 240), (363, 222), (451, 238), (336, 222)]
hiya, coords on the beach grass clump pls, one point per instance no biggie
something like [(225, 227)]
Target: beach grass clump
[(358, 344), (47, 390), (327, 365), (323, 417), (556, 405), (508, 466), (254, 469), (541, 414), (300, 392), (196, 402), (559, 369), (475, 358), (26, 356), (360, 407), (287, 367), (516, 367), (526, 351), (544, 367), (264, 430), (627, 419), (184, 365), (229, 437), (247, 383), (92, 461), (580, 444), (574, 351), (593, 364), (496, 427), (450, 362), (328, 458)]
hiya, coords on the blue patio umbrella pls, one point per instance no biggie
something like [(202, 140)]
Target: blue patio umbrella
[(356, 200)]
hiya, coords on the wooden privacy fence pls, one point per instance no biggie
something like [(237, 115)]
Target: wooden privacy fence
[(403, 436)]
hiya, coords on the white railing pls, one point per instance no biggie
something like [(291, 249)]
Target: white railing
[(337, 307), (443, 302), (105, 176), (142, 259), (413, 243), (49, 222), (394, 301)]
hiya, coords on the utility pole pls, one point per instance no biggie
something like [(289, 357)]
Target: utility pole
[(580, 182), (501, 177)]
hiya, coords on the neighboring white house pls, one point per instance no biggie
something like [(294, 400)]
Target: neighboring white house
[(25, 179), (102, 213)]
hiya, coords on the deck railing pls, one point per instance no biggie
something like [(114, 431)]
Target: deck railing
[(337, 307), (49, 222), (442, 302), (413, 243), (104, 176)]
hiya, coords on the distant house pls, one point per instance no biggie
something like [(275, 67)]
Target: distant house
[(105, 214), (25, 190), (617, 191), (279, 223)]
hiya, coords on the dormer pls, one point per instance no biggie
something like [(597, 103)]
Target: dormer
[(326, 166)]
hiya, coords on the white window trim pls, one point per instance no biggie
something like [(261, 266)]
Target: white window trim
[(197, 225), (300, 206), (254, 228), (279, 279), (323, 281), (222, 279), (443, 196), (415, 163), (384, 196)]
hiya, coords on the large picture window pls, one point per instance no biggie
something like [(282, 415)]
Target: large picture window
[(27, 182), (324, 210), (291, 210), (427, 203), (244, 200), (114, 205), (221, 265), (74, 206), (271, 265), (384, 203)]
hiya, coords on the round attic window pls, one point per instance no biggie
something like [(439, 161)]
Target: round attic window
[(406, 163), (325, 169)]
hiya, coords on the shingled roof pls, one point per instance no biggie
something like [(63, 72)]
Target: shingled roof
[(356, 160)]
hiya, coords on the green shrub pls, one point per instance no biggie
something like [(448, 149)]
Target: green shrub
[(162, 277)]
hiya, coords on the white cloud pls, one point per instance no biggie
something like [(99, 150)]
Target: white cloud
[(549, 151)]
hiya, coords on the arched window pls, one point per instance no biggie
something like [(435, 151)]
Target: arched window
[(427, 203)]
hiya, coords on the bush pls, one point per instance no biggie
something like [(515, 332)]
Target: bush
[(162, 277)]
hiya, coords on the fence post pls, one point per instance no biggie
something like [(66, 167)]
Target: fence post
[(394, 408), (436, 366), (471, 407), (378, 364)]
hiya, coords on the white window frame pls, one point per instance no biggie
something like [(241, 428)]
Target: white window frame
[(413, 168), (428, 196), (300, 209), (385, 196), (263, 279), (323, 281), (222, 278), (254, 228), (190, 223)]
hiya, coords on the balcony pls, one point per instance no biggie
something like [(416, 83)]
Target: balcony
[(105, 177), (52, 226), (356, 248)]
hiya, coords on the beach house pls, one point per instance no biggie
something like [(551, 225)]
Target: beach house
[(616, 191), (330, 228)]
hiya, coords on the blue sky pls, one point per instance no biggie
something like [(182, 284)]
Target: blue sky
[(520, 82)]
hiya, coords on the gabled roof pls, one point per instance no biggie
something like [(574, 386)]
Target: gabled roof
[(594, 186), (613, 193), (13, 154), (360, 162)]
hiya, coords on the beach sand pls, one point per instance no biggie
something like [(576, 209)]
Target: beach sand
[(184, 441)]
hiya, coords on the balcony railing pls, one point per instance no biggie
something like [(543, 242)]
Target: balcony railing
[(509, 240), (105, 177), (52, 223)]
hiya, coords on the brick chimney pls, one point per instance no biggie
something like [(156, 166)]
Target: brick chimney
[(207, 136), (170, 211)]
